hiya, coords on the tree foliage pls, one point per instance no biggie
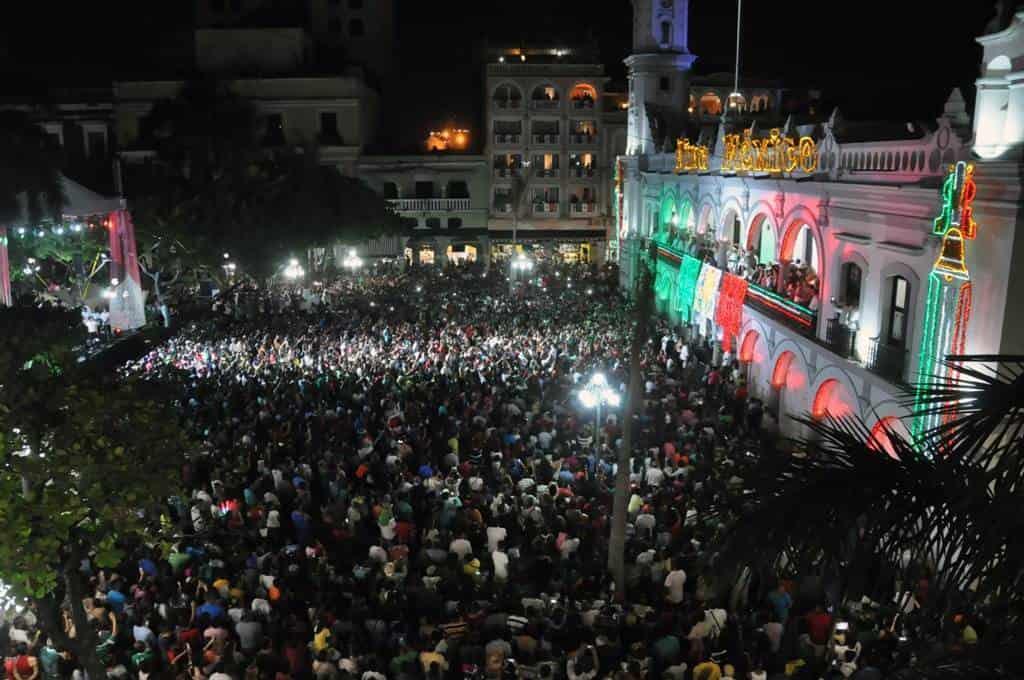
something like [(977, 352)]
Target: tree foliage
[(30, 170), (947, 505), (87, 464), (224, 182)]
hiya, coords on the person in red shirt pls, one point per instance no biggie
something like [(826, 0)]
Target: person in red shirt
[(819, 625)]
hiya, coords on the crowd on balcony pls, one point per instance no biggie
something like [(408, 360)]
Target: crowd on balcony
[(800, 283)]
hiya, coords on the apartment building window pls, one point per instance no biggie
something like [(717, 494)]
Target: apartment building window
[(97, 141), (433, 223), (390, 190), (664, 84), (274, 135), (666, 32), (356, 28), (851, 284), (329, 128), (454, 222), (355, 4), (457, 189)]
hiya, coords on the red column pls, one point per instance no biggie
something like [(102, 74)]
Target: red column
[(127, 309)]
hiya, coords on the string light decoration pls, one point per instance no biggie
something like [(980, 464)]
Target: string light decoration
[(781, 305), (691, 157), (707, 288), (620, 194), (686, 285), (729, 311), (774, 154), (950, 295)]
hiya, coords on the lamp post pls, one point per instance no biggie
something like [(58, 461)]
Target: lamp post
[(352, 262), (595, 394)]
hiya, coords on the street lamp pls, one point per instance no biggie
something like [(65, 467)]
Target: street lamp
[(595, 394), (293, 270), (352, 262)]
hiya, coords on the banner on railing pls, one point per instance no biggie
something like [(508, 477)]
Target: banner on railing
[(729, 311), (663, 280), (686, 285), (707, 290)]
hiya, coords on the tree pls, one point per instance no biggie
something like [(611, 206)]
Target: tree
[(224, 185), (63, 260), (87, 464), (947, 505), (634, 404), (30, 171)]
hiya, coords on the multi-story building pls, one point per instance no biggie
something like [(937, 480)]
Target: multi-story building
[(837, 261), (550, 150), (446, 194)]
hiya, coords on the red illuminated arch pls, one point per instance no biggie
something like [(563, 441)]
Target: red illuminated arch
[(829, 401), (880, 435), (747, 347), (781, 371)]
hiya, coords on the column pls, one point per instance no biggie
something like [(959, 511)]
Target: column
[(483, 253), (990, 115), (5, 271), (441, 244), (1013, 127)]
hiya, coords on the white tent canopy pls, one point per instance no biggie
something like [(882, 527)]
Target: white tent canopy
[(79, 202)]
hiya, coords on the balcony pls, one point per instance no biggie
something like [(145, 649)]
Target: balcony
[(549, 209), (429, 204), (546, 172), (507, 104), (507, 172), (546, 139), (583, 104), (503, 208), (582, 139), (887, 361), (506, 139), (545, 104), (782, 309), (583, 209), (840, 339), (581, 172)]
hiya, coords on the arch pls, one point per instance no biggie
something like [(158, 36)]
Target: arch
[(780, 373), (506, 91), (1000, 63), (546, 91), (737, 102), (666, 209), (833, 399), (762, 224), (748, 345), (881, 432), (707, 216), (724, 232), (710, 104), (795, 221), (583, 92)]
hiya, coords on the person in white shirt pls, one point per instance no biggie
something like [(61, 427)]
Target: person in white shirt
[(674, 582), (495, 535), (500, 560), (461, 547)]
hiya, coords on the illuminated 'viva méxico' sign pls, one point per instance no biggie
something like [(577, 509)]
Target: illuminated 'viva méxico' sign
[(691, 156), (775, 153)]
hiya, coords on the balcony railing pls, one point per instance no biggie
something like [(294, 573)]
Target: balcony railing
[(887, 361), (507, 172), (545, 208), (507, 103), (547, 172), (503, 208), (429, 204), (582, 103), (781, 308), (581, 172), (545, 104), (545, 139), (500, 138), (583, 208), (583, 139), (840, 339)]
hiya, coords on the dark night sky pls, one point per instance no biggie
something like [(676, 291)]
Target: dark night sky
[(894, 59)]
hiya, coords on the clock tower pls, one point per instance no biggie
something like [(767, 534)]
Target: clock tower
[(659, 68)]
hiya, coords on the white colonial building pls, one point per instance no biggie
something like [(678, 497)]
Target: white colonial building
[(855, 209)]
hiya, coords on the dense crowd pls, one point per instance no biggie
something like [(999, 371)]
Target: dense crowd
[(395, 480)]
